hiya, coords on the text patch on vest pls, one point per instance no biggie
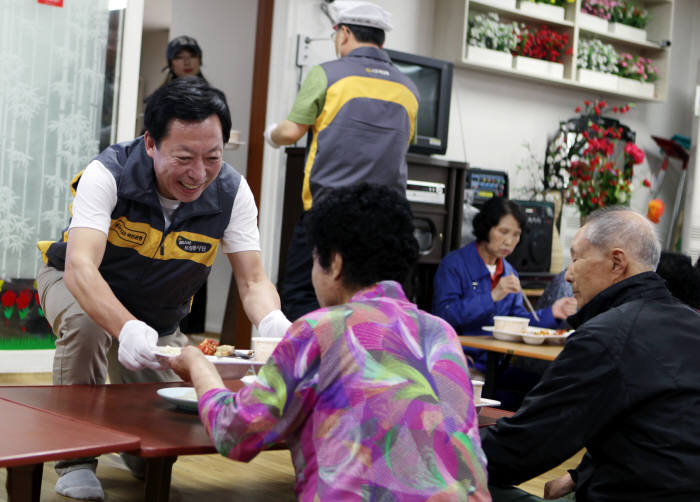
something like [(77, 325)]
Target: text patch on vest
[(128, 234), (192, 246)]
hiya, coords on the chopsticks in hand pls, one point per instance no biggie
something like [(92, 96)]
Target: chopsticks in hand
[(530, 307)]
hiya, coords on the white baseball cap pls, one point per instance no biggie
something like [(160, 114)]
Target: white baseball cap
[(360, 13)]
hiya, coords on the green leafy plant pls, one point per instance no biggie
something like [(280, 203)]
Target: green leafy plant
[(598, 8), (543, 43), (631, 14), (485, 30), (593, 54), (637, 68)]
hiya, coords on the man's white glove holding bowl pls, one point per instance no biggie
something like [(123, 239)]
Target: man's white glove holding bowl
[(137, 346), (274, 325)]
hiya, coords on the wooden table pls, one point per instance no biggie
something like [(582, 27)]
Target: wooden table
[(489, 415), (495, 347), (33, 436), (136, 409)]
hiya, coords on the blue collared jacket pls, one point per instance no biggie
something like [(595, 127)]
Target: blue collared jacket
[(462, 296)]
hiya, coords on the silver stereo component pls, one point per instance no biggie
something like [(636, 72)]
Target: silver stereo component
[(426, 192)]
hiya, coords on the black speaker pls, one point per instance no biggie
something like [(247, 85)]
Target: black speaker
[(534, 252)]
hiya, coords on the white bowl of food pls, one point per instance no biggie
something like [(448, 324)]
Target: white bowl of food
[(478, 386), (511, 324), (264, 347)]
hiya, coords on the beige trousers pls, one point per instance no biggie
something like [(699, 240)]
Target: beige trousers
[(86, 353)]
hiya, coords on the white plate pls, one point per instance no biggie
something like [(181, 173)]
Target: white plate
[(227, 366), (182, 397), (538, 336), (532, 336), (486, 402), (506, 336), (248, 379)]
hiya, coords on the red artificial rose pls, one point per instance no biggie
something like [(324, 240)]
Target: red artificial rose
[(634, 152), (23, 301), (646, 183), (578, 109), (587, 103), (8, 298)]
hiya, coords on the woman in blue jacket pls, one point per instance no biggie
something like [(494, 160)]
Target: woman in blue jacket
[(475, 283)]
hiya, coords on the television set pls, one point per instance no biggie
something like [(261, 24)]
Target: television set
[(433, 78)]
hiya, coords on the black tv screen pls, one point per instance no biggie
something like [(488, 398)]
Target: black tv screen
[(433, 78)]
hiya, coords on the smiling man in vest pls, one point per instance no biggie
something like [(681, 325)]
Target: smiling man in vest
[(362, 112), (147, 220)]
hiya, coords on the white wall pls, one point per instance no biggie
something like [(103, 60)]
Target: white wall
[(153, 45), (691, 229), (225, 30), (151, 76)]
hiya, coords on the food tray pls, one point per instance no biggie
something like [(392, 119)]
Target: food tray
[(227, 366), (533, 336)]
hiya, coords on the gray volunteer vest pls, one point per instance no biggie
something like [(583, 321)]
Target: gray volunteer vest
[(153, 272), (364, 128)]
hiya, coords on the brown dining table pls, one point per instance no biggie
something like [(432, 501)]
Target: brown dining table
[(136, 412), (496, 347), (488, 415), (165, 431), (32, 436)]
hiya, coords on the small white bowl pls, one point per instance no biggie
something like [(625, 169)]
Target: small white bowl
[(511, 324), (478, 386), (264, 347)]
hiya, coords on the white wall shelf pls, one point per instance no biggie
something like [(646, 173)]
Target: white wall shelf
[(516, 14), (452, 25)]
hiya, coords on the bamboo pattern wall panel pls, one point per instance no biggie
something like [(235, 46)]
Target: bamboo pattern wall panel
[(52, 66)]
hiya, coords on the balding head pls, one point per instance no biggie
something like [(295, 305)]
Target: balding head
[(620, 227), (615, 243)]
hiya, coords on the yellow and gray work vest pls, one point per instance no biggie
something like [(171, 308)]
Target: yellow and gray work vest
[(364, 128), (155, 272)]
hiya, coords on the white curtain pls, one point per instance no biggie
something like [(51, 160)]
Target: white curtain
[(52, 72)]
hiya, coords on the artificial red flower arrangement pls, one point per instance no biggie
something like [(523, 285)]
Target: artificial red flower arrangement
[(596, 180), (544, 43)]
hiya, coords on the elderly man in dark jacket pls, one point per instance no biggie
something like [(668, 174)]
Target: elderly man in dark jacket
[(626, 386)]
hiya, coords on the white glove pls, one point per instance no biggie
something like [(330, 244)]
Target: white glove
[(268, 136), (274, 325), (137, 346)]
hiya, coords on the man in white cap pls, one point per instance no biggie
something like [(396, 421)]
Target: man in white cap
[(362, 112)]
